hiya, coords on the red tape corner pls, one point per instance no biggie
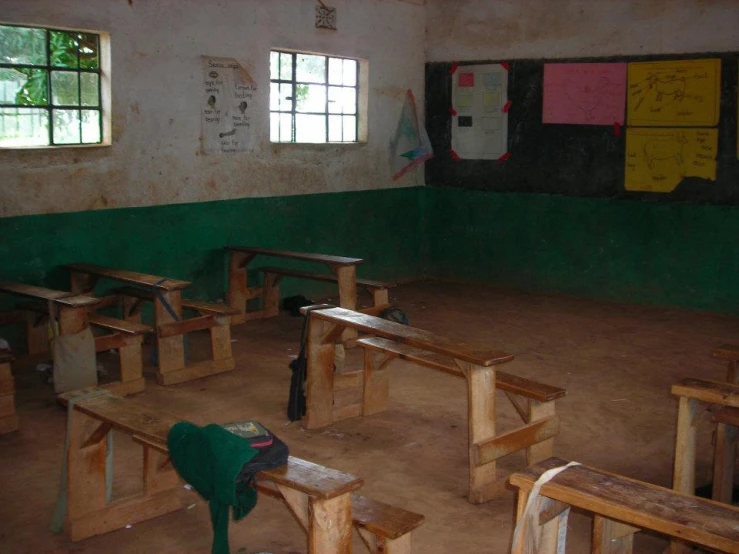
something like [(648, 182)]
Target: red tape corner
[(452, 110), (506, 106), (454, 155), (617, 129), (503, 158), (454, 67), (505, 65)]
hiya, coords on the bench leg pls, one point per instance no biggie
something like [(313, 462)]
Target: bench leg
[(237, 294), (612, 537), (684, 475), (132, 309), (86, 475), (380, 297), (320, 353), (382, 545), (271, 295), (723, 463), (544, 449), (376, 395), (170, 350), (330, 525), (132, 373), (8, 417), (159, 474), (484, 484), (220, 340), (731, 371), (347, 280), (72, 320), (546, 534), (37, 333)]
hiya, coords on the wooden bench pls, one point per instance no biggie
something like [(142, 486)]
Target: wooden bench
[(621, 507), (68, 308), (334, 396), (533, 401), (170, 326), (729, 353), (722, 400), (321, 499), (343, 270), (8, 416), (124, 336)]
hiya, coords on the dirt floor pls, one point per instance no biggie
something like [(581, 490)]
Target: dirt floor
[(616, 361)]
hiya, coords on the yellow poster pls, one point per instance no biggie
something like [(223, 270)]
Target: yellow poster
[(657, 160), (676, 93)]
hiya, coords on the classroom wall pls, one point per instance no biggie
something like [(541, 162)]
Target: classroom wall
[(156, 88), (516, 29), (669, 253)]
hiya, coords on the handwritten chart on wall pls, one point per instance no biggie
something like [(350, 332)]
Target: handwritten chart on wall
[(584, 93), (480, 124), (227, 109), (674, 93), (657, 160)]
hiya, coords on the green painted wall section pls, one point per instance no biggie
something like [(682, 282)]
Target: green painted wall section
[(669, 254), (186, 241)]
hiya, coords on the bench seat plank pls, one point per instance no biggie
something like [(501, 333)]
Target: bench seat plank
[(412, 336), (713, 392), (329, 278), (305, 256), (65, 298), (313, 479), (210, 308), (637, 503), (131, 277), (119, 325), (383, 519), (503, 381), (726, 352)]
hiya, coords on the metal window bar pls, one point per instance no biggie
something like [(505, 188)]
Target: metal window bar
[(50, 106)]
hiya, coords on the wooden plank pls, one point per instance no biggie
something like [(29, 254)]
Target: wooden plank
[(383, 519), (126, 511), (312, 479), (730, 416), (209, 307), (103, 343), (170, 350), (376, 390), (513, 441), (305, 256), (328, 278), (320, 378), (714, 392), (724, 460), (684, 464), (65, 298), (347, 279), (340, 413), (238, 291), (177, 328), (220, 340), (123, 415), (540, 449), (612, 537), (196, 371), (410, 335), (351, 380), (726, 352), (503, 381), (131, 277), (684, 516), (118, 325), (125, 388)]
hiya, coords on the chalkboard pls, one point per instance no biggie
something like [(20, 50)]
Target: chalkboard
[(577, 160)]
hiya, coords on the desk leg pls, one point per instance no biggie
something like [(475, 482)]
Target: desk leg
[(330, 525), (170, 350), (72, 320), (320, 353), (238, 292), (684, 476), (347, 276), (481, 427)]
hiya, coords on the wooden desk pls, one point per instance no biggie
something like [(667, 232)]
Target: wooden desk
[(327, 391), (621, 507), (166, 295), (344, 269), (320, 498)]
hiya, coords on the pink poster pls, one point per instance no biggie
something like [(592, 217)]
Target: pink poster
[(585, 93)]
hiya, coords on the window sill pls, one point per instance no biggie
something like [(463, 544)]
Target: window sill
[(58, 146)]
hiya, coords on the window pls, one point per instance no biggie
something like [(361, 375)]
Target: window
[(51, 91), (315, 98)]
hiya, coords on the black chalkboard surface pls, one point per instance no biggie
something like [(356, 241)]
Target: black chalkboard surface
[(578, 160)]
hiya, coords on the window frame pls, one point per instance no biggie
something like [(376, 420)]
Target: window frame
[(103, 88), (360, 99)]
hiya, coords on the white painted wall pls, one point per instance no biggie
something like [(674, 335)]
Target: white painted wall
[(156, 89), (514, 29)]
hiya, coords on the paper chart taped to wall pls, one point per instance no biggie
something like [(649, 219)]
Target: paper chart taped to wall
[(674, 93), (657, 160), (480, 125), (227, 109), (584, 93)]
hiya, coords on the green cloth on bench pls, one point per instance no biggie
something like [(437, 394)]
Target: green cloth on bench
[(210, 459)]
